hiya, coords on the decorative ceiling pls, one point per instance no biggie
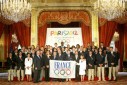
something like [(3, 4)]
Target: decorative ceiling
[(62, 3)]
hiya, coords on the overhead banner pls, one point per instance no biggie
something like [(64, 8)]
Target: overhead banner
[(62, 69), (71, 36)]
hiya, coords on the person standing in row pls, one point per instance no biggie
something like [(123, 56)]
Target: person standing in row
[(28, 67), (82, 67), (20, 66), (117, 57), (69, 57), (47, 59), (111, 64), (37, 67), (76, 59), (90, 61), (10, 66), (101, 63)]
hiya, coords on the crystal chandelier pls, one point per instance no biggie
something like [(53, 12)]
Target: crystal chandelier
[(15, 10), (110, 9)]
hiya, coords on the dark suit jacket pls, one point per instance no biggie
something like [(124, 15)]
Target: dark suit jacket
[(43, 60), (111, 59), (15, 58), (10, 63), (54, 57), (91, 60), (61, 57), (86, 53), (117, 56), (104, 48), (100, 59), (77, 60), (37, 63), (47, 60), (20, 63), (69, 58)]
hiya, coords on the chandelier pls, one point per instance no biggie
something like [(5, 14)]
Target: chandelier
[(110, 9), (15, 10)]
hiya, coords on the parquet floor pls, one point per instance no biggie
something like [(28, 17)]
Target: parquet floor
[(122, 80)]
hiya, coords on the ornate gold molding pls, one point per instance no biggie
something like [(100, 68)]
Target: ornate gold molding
[(64, 17)]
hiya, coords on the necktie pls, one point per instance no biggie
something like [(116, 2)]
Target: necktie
[(39, 57)]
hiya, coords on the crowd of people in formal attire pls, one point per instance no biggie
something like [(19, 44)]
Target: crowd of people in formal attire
[(34, 62)]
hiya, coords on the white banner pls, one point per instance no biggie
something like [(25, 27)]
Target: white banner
[(62, 69), (70, 36)]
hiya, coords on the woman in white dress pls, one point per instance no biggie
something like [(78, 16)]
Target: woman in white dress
[(28, 67), (82, 67)]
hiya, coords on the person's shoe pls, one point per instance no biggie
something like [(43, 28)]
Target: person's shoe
[(39, 81), (35, 82), (104, 80), (99, 80), (114, 79), (109, 80)]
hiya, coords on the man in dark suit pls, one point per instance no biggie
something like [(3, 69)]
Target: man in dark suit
[(60, 55), (42, 57), (10, 67), (14, 57), (76, 58), (55, 47), (117, 57), (54, 57), (100, 59), (47, 65), (20, 66), (62, 45), (90, 62), (37, 67), (111, 64), (102, 46), (69, 57)]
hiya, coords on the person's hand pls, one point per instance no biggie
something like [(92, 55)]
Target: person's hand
[(112, 63), (35, 68), (47, 66), (100, 65), (27, 67), (90, 65)]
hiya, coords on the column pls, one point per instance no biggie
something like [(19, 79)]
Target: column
[(95, 28), (34, 27)]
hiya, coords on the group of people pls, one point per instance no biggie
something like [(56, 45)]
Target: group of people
[(91, 61)]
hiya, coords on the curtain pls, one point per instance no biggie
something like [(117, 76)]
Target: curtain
[(125, 38), (42, 35), (7, 39), (22, 32), (86, 34), (1, 29), (106, 32), (120, 44)]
